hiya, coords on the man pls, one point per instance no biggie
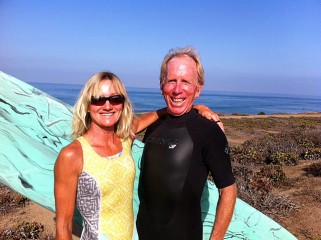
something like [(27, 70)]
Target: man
[(180, 150)]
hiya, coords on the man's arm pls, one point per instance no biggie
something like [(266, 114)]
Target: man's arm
[(224, 211)]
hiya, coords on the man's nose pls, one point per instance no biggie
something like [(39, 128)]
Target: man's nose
[(178, 88)]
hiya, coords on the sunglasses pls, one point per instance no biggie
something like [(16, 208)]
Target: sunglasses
[(113, 100)]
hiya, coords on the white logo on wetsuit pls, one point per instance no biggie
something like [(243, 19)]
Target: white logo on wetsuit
[(171, 143)]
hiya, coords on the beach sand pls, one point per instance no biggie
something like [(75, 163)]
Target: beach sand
[(304, 222)]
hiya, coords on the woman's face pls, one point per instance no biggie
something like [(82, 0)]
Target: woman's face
[(105, 114)]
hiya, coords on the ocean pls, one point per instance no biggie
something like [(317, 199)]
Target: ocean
[(147, 99)]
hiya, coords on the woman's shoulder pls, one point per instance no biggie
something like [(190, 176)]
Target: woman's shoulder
[(71, 150), (71, 156)]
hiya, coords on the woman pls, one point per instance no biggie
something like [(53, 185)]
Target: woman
[(96, 171)]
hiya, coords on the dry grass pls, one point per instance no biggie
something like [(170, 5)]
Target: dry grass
[(272, 145), (10, 200), (276, 161), (26, 231)]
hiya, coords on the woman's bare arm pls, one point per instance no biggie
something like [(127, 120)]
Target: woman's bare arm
[(66, 172)]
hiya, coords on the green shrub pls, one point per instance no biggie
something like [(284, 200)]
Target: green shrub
[(239, 114), (306, 143), (274, 173), (282, 158), (311, 154), (25, 230), (246, 155)]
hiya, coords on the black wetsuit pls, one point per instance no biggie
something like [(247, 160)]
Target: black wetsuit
[(179, 152)]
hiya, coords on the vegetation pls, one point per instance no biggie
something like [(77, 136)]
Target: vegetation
[(314, 169), (271, 145), (259, 162), (10, 200), (276, 161), (25, 230)]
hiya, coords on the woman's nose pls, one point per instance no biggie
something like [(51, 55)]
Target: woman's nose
[(107, 105)]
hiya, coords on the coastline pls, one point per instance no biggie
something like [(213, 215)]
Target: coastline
[(33, 212), (220, 102), (277, 115)]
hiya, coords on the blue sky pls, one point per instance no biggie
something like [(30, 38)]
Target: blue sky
[(245, 46)]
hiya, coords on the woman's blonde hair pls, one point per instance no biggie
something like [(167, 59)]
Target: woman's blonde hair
[(81, 118)]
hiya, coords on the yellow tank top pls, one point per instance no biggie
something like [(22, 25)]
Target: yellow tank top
[(105, 193)]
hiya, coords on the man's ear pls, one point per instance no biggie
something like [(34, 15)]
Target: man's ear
[(198, 90), (161, 88)]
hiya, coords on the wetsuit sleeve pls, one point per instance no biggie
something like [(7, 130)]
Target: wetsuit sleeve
[(217, 158)]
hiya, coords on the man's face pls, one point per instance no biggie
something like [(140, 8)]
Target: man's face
[(181, 87)]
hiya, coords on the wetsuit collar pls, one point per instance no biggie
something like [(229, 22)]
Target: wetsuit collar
[(183, 117)]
